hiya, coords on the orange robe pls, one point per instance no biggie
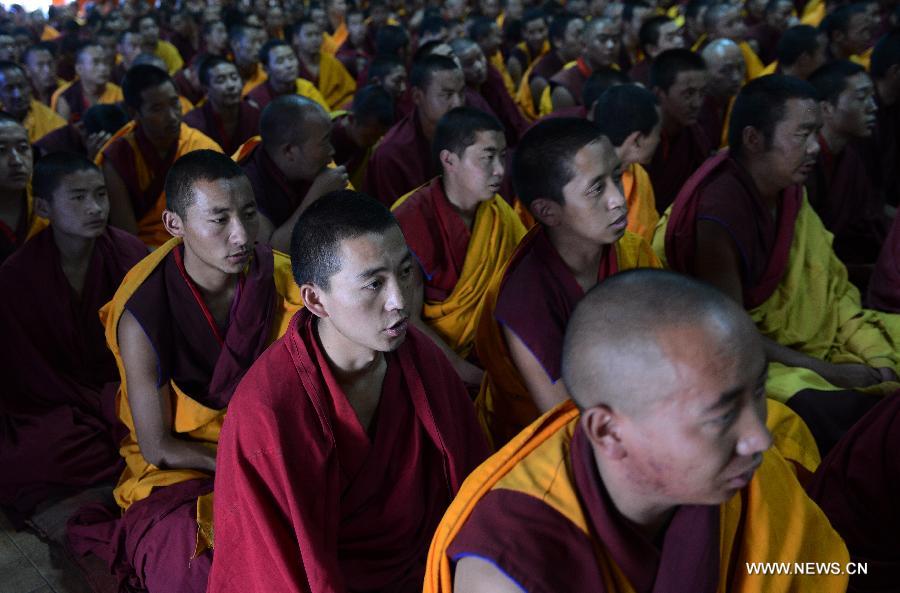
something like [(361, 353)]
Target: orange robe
[(333, 81), (73, 93), (41, 120), (642, 214), (259, 77)]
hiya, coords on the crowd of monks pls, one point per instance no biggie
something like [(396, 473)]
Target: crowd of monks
[(459, 296)]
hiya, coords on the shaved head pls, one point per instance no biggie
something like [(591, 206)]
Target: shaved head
[(718, 49), (283, 121)]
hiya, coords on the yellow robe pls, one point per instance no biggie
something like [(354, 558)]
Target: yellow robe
[(112, 93), (752, 61), (169, 54), (40, 121), (497, 62), (257, 79), (332, 43), (638, 190), (334, 83)]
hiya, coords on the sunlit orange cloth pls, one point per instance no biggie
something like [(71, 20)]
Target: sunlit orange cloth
[(331, 42), (574, 539), (752, 61), (130, 156), (41, 120), (497, 61), (429, 228), (504, 405), (257, 79), (642, 215), (49, 33), (333, 82)]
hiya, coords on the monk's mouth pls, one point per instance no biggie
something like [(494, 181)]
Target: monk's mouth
[(398, 329)]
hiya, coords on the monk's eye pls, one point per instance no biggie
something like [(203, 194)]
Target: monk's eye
[(218, 220), (373, 285), (727, 418), (406, 272)]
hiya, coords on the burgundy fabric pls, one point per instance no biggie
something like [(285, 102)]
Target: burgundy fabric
[(184, 46), (886, 153), (544, 552), (504, 107), (884, 287), (348, 56), (64, 139), (186, 89), (675, 160), (262, 94), (857, 486), (640, 72), (206, 120), (58, 428), (78, 104), (276, 198), (712, 118), (547, 66), (303, 72), (572, 79), (476, 101), (205, 362), (767, 40), (401, 161), (13, 238), (436, 236), (376, 496), (346, 152), (538, 295), (579, 111), (722, 191)]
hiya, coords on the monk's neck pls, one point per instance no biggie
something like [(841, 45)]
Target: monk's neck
[(227, 113), (427, 127), (887, 95), (834, 142), (216, 287), (838, 53), (74, 257), (580, 256), (671, 127), (288, 87), (349, 361), (649, 518), (463, 204), (92, 91), (248, 71), (11, 205), (761, 175), (311, 61)]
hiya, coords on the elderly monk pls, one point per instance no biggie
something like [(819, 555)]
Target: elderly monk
[(245, 41), (743, 224), (18, 219), (726, 69), (568, 176), (16, 99), (58, 404), (629, 116), (599, 49), (319, 67), (679, 79), (136, 160), (661, 462), (282, 71), (402, 160), (223, 117), (355, 133), (289, 165), (352, 400), (92, 86), (460, 231), (186, 324), (725, 20)]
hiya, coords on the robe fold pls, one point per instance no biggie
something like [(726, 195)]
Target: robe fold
[(28, 225), (638, 190), (401, 161), (884, 287), (73, 93), (139, 165), (276, 198), (457, 265), (64, 139), (59, 430), (333, 82), (206, 120), (572, 78), (40, 121), (544, 68), (378, 495), (539, 512), (259, 77), (675, 160), (504, 106), (499, 65), (263, 94)]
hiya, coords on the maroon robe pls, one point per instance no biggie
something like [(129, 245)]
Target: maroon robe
[(884, 287), (262, 94), (547, 66), (675, 160), (504, 106), (572, 79), (13, 238), (712, 118), (58, 427), (883, 152), (541, 550), (78, 103), (767, 39), (349, 56), (307, 500), (186, 89), (401, 161), (346, 151), (640, 72), (64, 139), (276, 198), (208, 121)]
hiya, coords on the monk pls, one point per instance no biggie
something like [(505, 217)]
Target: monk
[(288, 166), (885, 149), (568, 176), (486, 33), (565, 46), (534, 45), (678, 78), (352, 53), (660, 462), (656, 35), (18, 219), (282, 72), (629, 116), (401, 161), (628, 50), (223, 117), (800, 52), (321, 67), (148, 26), (136, 161), (214, 38), (724, 20), (245, 41), (92, 86), (742, 224), (128, 46), (16, 99), (849, 30), (727, 71), (600, 47), (355, 133), (186, 324), (60, 431), (40, 66), (85, 137), (354, 400), (777, 17)]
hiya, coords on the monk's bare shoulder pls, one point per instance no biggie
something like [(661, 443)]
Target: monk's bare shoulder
[(474, 575)]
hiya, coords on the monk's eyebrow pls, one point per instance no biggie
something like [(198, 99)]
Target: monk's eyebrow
[(372, 271), (729, 397), (217, 210)]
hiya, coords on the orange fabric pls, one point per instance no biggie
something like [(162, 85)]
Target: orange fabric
[(638, 190), (524, 213), (257, 79), (334, 82), (112, 93), (497, 62), (523, 95), (331, 43), (49, 33), (40, 121)]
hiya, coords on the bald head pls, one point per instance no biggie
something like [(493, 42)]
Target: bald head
[(726, 67), (285, 119)]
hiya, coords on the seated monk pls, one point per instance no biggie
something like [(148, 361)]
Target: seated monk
[(629, 116), (600, 47), (656, 35), (534, 45), (85, 137), (567, 175), (223, 117), (60, 431), (885, 147), (565, 45), (743, 224), (245, 41), (839, 189), (288, 165), (319, 67), (39, 62), (18, 219), (92, 87), (347, 440), (355, 133), (389, 73), (137, 159), (402, 160), (16, 100), (282, 71), (800, 52), (678, 78), (724, 20), (662, 461), (186, 324), (726, 69), (460, 231)]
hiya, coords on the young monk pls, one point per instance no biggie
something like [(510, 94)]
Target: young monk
[(568, 177), (186, 324), (656, 35), (353, 400), (319, 67), (566, 45), (245, 41), (40, 66), (355, 133), (136, 160), (629, 116), (600, 47), (661, 462), (288, 166), (726, 70), (18, 219), (223, 117), (800, 52), (678, 78), (282, 71), (460, 231), (401, 161), (16, 100), (534, 44), (92, 86), (885, 149), (60, 428)]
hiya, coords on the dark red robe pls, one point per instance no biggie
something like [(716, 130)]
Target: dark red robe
[(262, 94), (504, 107), (712, 118), (276, 198), (547, 66), (401, 161), (307, 500), (58, 426), (64, 139), (640, 72), (13, 238), (186, 89), (675, 160), (346, 151), (78, 104), (884, 286), (208, 121), (573, 79)]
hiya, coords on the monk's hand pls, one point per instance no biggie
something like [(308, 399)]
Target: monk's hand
[(887, 374), (850, 376), (95, 142), (329, 180)]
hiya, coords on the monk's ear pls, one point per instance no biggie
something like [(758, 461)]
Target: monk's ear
[(602, 427), (41, 207), (417, 95), (173, 223), (312, 300), (827, 109), (631, 145), (546, 211), (753, 140), (448, 159)]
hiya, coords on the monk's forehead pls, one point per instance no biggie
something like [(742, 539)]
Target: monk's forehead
[(596, 158), (12, 131), (372, 250)]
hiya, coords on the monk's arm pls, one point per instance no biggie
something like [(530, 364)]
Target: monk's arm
[(151, 409), (561, 98), (62, 108), (514, 67), (121, 212), (545, 393), (474, 575), (537, 86)]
